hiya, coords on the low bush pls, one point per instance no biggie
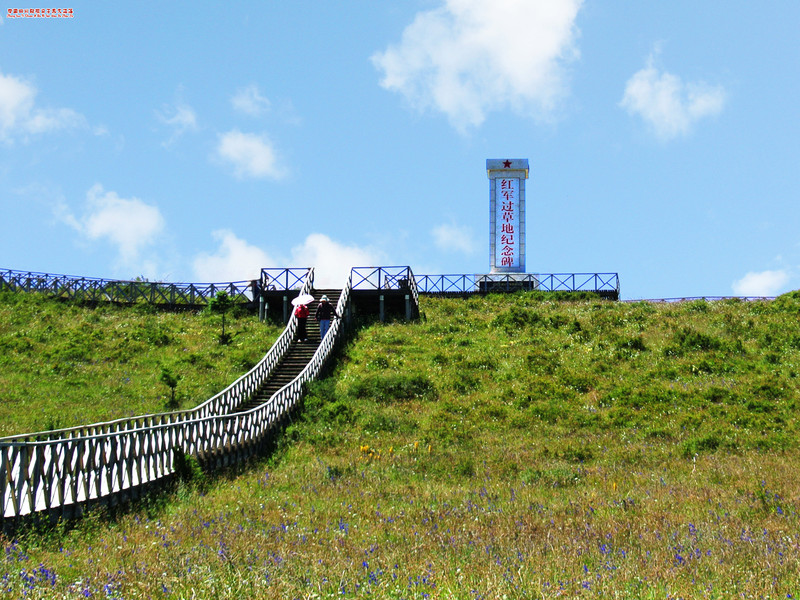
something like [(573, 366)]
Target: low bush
[(391, 387)]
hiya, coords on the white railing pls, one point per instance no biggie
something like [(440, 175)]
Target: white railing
[(61, 470), (225, 401), (56, 470)]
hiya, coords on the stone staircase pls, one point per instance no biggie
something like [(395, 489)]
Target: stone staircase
[(296, 358)]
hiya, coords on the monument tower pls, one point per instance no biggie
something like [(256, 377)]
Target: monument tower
[(507, 214)]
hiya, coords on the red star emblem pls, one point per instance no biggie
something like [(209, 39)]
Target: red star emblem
[(506, 164)]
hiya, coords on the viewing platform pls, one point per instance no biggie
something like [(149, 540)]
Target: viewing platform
[(389, 292)]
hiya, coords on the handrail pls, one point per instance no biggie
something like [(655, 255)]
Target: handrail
[(94, 289), (282, 279), (433, 284), (96, 461), (220, 403), (414, 290), (678, 300), (548, 282), (381, 278), (291, 391)]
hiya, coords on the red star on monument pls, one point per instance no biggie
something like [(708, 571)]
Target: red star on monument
[(506, 164)]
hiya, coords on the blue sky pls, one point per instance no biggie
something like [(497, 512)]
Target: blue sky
[(196, 142)]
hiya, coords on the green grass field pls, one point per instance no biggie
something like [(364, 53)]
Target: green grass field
[(63, 364), (502, 446)]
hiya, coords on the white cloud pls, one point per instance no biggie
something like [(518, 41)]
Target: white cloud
[(667, 104), (765, 283), (470, 57), (452, 238), (181, 119), (248, 100), (19, 115), (129, 224), (251, 155), (331, 260), (234, 260), (237, 260)]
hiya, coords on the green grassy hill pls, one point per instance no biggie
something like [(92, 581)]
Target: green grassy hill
[(63, 364), (503, 446)]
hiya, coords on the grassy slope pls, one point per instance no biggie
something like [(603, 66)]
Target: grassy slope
[(62, 364), (504, 445)]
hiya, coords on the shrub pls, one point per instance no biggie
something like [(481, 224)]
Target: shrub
[(515, 319), (542, 360), (556, 477), (337, 413), (630, 347), (579, 382), (689, 339), (188, 470), (465, 467), (171, 380), (319, 394), (381, 422), (388, 387), (378, 363), (550, 410), (467, 382), (718, 395), (699, 444)]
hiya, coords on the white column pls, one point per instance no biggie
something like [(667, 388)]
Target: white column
[(507, 214)]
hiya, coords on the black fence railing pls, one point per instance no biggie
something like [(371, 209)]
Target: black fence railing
[(93, 289)]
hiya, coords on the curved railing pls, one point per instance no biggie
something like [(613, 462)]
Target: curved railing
[(58, 474), (223, 402), (94, 289), (96, 461), (60, 470), (57, 469)]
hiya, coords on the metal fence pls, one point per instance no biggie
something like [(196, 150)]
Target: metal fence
[(497, 282), (392, 280), (274, 279), (92, 289), (382, 278), (678, 300)]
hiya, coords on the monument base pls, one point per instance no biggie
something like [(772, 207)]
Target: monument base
[(507, 282)]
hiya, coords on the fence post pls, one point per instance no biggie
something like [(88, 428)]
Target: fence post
[(381, 308)]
